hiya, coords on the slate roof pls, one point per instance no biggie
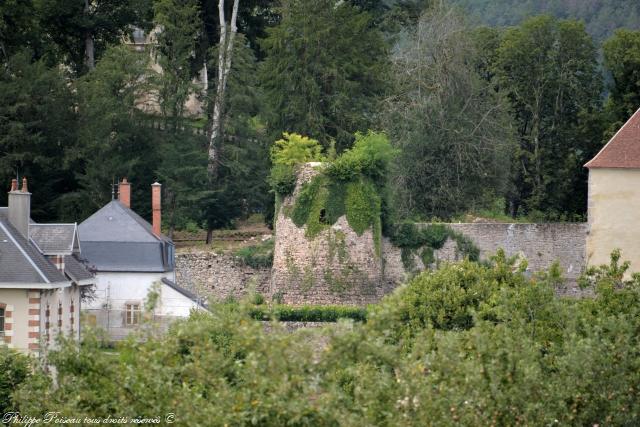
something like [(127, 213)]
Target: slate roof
[(76, 269), (53, 239), (114, 222), (623, 150), (193, 297), (115, 238), (21, 262)]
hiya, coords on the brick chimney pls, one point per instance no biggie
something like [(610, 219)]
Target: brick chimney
[(156, 207), (20, 207), (124, 193)]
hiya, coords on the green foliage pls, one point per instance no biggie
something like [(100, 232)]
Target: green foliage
[(324, 72), (15, 368), (466, 345), (293, 149), (370, 156), (287, 153), (282, 179), (350, 185), (410, 236), (258, 256), (451, 126), (37, 132), (622, 60), (68, 24), (548, 68), (600, 17), (309, 313), (176, 42)]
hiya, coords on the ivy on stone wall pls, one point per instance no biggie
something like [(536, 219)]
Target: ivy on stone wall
[(424, 240), (349, 186)]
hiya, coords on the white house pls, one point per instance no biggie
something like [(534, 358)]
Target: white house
[(129, 256)]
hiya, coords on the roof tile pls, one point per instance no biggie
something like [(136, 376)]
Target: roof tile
[(623, 150)]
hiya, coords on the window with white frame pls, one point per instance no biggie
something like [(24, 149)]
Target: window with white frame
[(1, 321), (132, 313)]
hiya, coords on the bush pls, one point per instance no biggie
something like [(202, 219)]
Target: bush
[(470, 345), (14, 369), (294, 149), (309, 313), (257, 256)]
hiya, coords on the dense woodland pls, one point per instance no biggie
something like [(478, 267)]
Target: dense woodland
[(492, 120)]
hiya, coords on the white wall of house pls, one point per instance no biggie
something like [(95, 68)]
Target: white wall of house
[(119, 289)]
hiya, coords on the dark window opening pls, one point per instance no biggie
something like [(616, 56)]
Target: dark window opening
[(1, 322), (323, 216)]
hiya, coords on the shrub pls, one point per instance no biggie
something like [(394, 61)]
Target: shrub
[(257, 256), (282, 179), (309, 313), (14, 369), (294, 149)]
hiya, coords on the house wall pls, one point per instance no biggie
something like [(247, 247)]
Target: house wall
[(66, 321), (614, 215), (16, 301), (118, 289)]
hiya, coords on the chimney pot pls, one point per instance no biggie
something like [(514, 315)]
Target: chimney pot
[(156, 207), (124, 192), (19, 211)]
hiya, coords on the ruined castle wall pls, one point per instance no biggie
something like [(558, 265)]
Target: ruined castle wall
[(335, 267), (218, 276), (339, 267), (540, 244)]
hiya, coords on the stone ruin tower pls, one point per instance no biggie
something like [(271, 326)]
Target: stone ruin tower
[(335, 266)]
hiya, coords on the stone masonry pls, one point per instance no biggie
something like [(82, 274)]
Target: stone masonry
[(219, 276)]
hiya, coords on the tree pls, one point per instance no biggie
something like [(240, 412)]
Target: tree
[(37, 130), (452, 128), (325, 71), (179, 29), (622, 60), (115, 139), (549, 70), (82, 30), (225, 53), (240, 184)]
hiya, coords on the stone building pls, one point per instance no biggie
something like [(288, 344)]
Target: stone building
[(614, 197)]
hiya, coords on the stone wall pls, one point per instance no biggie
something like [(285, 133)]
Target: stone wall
[(540, 244), (335, 267), (219, 276), (339, 267)]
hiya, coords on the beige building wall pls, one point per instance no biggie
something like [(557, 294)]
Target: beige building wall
[(17, 302), (61, 319), (614, 215)]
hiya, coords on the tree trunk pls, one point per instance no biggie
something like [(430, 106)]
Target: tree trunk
[(89, 48), (225, 51), (209, 236)]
